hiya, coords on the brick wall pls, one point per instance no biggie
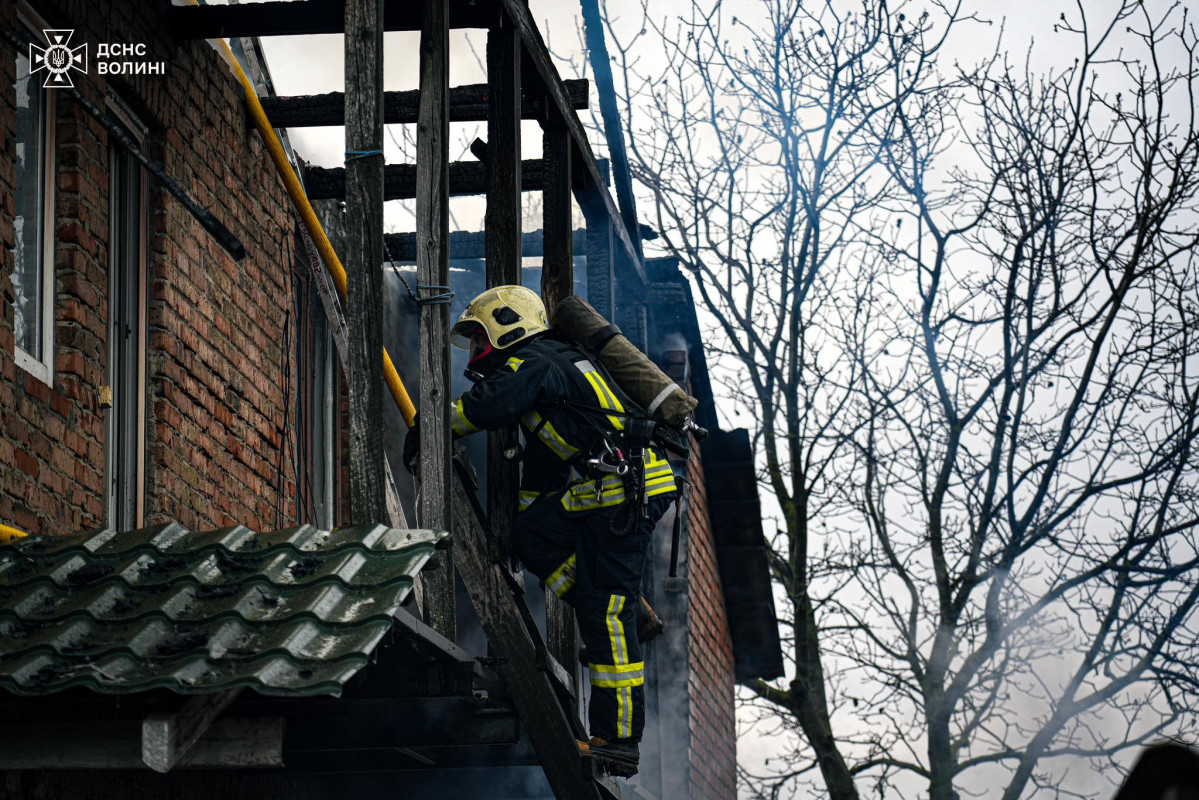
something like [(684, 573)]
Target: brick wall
[(713, 734), (218, 331), (710, 768)]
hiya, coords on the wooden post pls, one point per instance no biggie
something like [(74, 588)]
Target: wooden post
[(557, 282), (601, 64), (557, 273), (503, 240), (433, 271), (364, 255)]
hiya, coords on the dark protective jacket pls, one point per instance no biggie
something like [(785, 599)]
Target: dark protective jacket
[(535, 387)]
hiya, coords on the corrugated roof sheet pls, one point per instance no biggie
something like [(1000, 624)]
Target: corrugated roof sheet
[(293, 612)]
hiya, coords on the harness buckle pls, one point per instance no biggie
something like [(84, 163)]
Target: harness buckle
[(609, 461)]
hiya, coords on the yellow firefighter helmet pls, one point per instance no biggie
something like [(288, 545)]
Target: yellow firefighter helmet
[(505, 315)]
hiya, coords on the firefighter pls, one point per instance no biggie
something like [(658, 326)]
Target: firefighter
[(582, 527)]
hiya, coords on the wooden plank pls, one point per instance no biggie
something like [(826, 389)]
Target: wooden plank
[(297, 17), (84, 744), (557, 275), (593, 194), (433, 270), (561, 641), (436, 646), (400, 722), (466, 245), (364, 249), (504, 244), (399, 182), (167, 736), (467, 104), (601, 64), (509, 638)]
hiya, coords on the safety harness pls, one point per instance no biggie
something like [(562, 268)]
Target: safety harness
[(621, 467)]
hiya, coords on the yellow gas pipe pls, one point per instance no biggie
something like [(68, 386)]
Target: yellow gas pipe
[(296, 192), (9, 534)]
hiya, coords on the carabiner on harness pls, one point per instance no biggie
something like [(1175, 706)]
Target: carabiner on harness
[(610, 461)]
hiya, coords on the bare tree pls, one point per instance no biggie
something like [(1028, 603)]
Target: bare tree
[(961, 311)]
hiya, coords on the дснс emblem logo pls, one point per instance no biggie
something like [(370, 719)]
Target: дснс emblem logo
[(58, 58)]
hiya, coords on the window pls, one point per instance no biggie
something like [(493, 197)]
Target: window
[(317, 401), (126, 340), (33, 273)]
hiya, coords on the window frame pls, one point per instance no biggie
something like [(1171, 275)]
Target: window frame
[(43, 368), (138, 410)]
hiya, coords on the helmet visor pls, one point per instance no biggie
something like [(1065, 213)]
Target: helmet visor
[(480, 345), (463, 331)]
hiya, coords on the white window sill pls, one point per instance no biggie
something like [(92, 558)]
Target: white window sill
[(38, 369)]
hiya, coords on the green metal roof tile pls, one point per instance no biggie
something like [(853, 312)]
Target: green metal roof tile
[(296, 611), (255, 600), (282, 564), (119, 673)]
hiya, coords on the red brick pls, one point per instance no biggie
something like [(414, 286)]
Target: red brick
[(27, 463)]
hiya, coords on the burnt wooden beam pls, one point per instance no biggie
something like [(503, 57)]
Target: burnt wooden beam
[(435, 646), (594, 193), (601, 275), (557, 283), (399, 180), (557, 276), (466, 245), (508, 638), (503, 243), (363, 176), (467, 104), (167, 736), (433, 284), (327, 723), (296, 17), (86, 744), (601, 64)]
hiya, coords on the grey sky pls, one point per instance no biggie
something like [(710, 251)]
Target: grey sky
[(314, 64)]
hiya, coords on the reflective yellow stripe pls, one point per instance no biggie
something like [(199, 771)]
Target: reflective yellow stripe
[(583, 496), (562, 579), (607, 400), (620, 657), (515, 363), (526, 499), (549, 435), (615, 403), (603, 393), (659, 477), (618, 670), (620, 651), (458, 421), (614, 683), (652, 459)]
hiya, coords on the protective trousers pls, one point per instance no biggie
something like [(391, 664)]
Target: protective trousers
[(599, 574)]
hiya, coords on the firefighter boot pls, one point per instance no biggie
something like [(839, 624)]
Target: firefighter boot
[(619, 757)]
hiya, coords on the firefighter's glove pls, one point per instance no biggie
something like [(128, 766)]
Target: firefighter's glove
[(412, 446)]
